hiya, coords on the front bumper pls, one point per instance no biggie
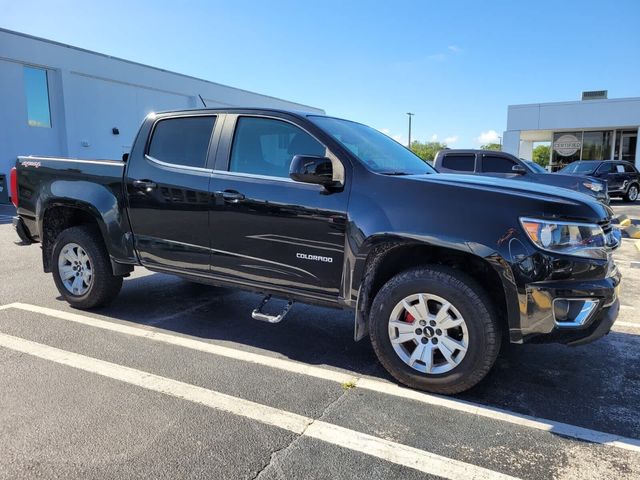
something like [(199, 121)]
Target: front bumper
[(539, 320)]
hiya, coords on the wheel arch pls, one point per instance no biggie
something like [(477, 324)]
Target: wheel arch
[(388, 257), (59, 215)]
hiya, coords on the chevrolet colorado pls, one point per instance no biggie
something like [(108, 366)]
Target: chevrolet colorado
[(438, 268)]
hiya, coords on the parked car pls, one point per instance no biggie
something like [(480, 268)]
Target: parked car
[(623, 179), (505, 165), (437, 268)]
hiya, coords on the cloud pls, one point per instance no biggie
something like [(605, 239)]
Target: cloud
[(451, 140), (454, 48), (399, 138), (386, 131), (434, 138), (490, 136)]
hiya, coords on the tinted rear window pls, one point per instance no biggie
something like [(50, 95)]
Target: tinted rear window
[(183, 141), (460, 163)]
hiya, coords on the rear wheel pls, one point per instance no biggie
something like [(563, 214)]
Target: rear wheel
[(82, 270), (434, 329), (632, 193)]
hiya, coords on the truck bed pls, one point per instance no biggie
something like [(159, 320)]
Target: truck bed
[(92, 186)]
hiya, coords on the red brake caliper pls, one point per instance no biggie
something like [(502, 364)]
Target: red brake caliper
[(408, 317)]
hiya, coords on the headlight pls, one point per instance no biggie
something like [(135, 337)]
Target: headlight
[(595, 187), (567, 238)]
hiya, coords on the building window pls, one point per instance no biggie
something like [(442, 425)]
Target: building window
[(37, 92), (566, 148), (588, 145), (596, 145)]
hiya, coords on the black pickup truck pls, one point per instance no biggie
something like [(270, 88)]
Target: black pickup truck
[(437, 268)]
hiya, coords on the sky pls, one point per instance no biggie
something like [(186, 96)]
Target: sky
[(456, 65)]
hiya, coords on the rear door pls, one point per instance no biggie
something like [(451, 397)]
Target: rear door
[(167, 183), (265, 227)]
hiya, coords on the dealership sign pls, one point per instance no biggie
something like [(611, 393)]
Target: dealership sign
[(567, 145)]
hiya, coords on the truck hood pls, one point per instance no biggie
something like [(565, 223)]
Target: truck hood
[(540, 191)]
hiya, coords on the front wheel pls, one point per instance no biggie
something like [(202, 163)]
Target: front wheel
[(632, 193), (433, 328), (82, 270)]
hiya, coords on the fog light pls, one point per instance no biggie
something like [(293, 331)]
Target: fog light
[(573, 312)]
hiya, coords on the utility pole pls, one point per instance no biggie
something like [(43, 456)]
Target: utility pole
[(410, 115)]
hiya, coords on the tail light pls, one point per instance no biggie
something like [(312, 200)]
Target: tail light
[(13, 181)]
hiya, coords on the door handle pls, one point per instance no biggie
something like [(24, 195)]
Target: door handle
[(144, 184), (231, 196)]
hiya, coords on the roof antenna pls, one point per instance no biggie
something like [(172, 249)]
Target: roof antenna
[(202, 100)]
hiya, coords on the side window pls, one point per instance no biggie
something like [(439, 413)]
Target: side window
[(619, 168), (628, 168), (496, 164), (606, 168), (460, 163), (265, 146), (183, 141)]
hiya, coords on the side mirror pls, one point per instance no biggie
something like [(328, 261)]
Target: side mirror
[(311, 169), (125, 157), (519, 169)]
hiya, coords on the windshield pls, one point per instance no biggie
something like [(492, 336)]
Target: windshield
[(580, 167), (534, 167), (376, 150)]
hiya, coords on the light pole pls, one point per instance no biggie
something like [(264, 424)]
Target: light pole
[(410, 115)]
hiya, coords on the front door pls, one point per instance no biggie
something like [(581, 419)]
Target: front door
[(609, 172), (168, 193), (266, 228)]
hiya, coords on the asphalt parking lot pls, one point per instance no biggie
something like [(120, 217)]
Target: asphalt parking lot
[(176, 380)]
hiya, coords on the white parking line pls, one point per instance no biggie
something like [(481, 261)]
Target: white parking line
[(393, 452), (379, 386)]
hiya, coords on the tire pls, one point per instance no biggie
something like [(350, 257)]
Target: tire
[(100, 286), (631, 194), (469, 302)]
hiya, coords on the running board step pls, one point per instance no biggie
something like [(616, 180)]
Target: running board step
[(258, 314)]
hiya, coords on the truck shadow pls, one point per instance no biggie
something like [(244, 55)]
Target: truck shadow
[(595, 386)]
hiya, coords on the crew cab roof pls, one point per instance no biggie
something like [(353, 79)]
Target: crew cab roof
[(299, 113)]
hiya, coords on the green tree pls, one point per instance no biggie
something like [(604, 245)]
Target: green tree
[(427, 150), (492, 146), (541, 155)]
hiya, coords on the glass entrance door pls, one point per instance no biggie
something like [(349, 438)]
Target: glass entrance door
[(626, 145)]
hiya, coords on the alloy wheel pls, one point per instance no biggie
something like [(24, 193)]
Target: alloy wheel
[(428, 333), (75, 269)]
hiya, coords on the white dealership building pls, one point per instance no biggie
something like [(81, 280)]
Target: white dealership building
[(594, 128), (62, 100)]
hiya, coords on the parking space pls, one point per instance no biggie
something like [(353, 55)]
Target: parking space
[(175, 379)]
